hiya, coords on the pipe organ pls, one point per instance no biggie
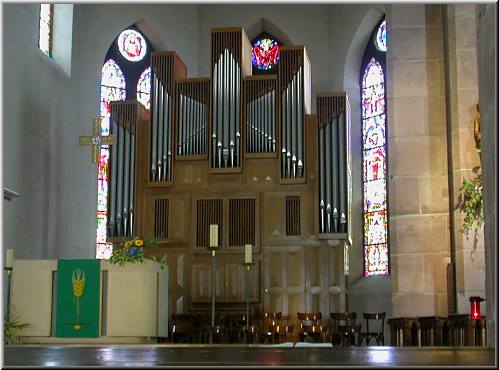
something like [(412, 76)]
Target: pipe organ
[(231, 62), (294, 78), (333, 112), (124, 119), (193, 102), (166, 67), (246, 153), (260, 114)]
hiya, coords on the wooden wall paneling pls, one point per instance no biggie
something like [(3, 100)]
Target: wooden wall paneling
[(177, 261), (235, 283), (201, 281), (273, 213), (178, 219)]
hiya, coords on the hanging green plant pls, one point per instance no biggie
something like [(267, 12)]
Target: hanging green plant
[(471, 201)]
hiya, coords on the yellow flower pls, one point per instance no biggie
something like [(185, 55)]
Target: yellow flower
[(139, 243), (127, 244)]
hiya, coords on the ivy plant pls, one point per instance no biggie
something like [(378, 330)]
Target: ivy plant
[(471, 201)]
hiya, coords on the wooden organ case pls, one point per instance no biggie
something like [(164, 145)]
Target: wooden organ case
[(242, 152)]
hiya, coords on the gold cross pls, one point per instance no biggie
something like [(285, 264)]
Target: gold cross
[(97, 140)]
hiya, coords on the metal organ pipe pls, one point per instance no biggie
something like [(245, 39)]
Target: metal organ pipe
[(300, 123), (322, 169), (112, 185), (328, 176), (131, 206), (334, 144), (154, 125), (120, 167), (342, 172)]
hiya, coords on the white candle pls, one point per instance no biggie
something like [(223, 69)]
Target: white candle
[(248, 253), (213, 235), (9, 261)]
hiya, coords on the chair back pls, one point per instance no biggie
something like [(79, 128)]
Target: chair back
[(376, 317), (342, 319)]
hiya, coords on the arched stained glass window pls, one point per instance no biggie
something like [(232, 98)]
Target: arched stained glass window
[(125, 74), (144, 88), (113, 88), (374, 156)]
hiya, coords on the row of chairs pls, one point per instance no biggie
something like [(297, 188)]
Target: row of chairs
[(273, 327)]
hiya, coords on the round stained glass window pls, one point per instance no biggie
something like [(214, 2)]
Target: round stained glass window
[(265, 53), (381, 37), (132, 45)]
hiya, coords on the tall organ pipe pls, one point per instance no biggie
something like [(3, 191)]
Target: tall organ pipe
[(342, 179), (300, 124), (120, 166), (114, 162), (328, 175), (322, 191), (132, 184), (334, 137), (154, 126)]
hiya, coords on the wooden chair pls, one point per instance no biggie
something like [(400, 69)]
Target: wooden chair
[(311, 327), (181, 328), (344, 328), (268, 321), (378, 333)]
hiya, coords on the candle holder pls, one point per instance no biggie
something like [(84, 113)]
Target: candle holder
[(213, 250), (248, 266), (9, 276)]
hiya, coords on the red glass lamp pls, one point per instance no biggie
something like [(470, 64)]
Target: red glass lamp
[(475, 307)]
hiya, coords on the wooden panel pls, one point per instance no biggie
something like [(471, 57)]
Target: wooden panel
[(178, 211), (275, 263), (209, 212), (293, 215), (201, 282), (295, 268), (273, 216), (241, 222), (235, 283)]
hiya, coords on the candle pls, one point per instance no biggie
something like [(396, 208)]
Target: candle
[(9, 261), (248, 253), (213, 235)]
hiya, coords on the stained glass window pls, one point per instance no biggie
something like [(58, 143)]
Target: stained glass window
[(144, 88), (45, 29), (113, 87), (381, 41), (373, 107), (126, 74), (265, 53), (132, 45)]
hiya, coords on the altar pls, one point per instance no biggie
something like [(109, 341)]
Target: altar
[(133, 302)]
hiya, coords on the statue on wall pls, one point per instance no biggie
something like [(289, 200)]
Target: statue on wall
[(477, 133)]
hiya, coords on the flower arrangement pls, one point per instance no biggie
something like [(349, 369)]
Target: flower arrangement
[(132, 251), (471, 201)]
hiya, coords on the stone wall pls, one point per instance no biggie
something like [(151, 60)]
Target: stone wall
[(463, 94), (487, 77), (417, 157)]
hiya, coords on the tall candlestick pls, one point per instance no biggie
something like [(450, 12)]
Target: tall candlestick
[(248, 253), (213, 235), (9, 261)]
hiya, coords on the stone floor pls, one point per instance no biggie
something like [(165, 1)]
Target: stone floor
[(241, 355)]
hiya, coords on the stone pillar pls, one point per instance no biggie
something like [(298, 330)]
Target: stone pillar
[(418, 186), (463, 94), (487, 67)]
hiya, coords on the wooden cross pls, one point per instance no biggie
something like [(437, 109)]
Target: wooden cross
[(97, 140)]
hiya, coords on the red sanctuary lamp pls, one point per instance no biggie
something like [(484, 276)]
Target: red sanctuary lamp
[(475, 307)]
